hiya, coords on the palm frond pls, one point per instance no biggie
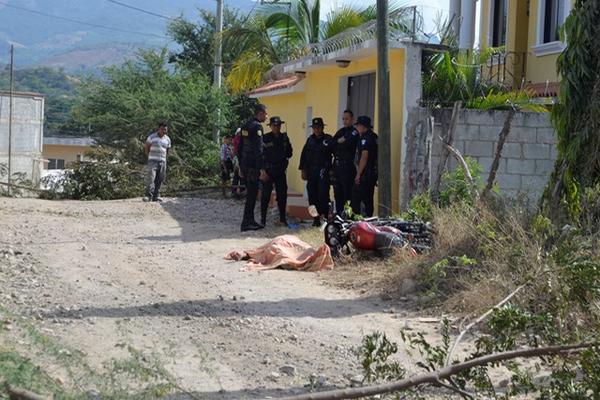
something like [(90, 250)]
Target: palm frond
[(340, 20), (247, 72)]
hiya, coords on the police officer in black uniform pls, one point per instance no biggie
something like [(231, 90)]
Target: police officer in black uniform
[(250, 153), (315, 164), (365, 179), (343, 146), (277, 150)]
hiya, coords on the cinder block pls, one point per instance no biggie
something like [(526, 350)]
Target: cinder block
[(546, 135), (477, 117), (536, 151), (477, 148), (508, 182), (536, 119), (486, 165), (523, 134), (491, 133), (518, 119), (533, 184), (467, 132), (544, 167), (518, 166), (511, 150)]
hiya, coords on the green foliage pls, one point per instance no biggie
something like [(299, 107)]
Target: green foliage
[(59, 91), (374, 353), (422, 206), (455, 186), (123, 108), (198, 41), (576, 117), (520, 100), (21, 372), (106, 178)]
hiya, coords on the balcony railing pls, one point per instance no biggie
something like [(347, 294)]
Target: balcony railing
[(506, 69)]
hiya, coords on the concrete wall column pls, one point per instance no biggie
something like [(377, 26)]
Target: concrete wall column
[(454, 15), (468, 9)]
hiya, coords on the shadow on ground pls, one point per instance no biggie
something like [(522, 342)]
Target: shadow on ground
[(204, 219), (300, 307)]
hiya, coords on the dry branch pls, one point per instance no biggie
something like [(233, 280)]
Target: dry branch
[(444, 158), (459, 158), (439, 374), (15, 393), (501, 140), (478, 320)]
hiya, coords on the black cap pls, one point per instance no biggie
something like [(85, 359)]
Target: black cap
[(318, 121), (364, 121), (275, 121)]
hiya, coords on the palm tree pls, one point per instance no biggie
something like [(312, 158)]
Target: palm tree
[(280, 31)]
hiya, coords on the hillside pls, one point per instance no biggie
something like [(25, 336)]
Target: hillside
[(42, 40)]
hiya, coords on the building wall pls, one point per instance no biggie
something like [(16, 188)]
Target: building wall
[(527, 157), (27, 134), (67, 153), (325, 92), (522, 36)]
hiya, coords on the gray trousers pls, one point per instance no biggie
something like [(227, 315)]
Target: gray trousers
[(157, 171)]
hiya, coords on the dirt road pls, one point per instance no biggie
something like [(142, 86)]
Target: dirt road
[(106, 280)]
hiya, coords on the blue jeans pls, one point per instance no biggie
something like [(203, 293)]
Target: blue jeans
[(157, 171)]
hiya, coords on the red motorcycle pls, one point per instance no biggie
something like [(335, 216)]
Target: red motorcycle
[(376, 234)]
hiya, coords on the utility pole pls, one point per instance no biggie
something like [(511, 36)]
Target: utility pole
[(10, 112), (383, 112), (218, 73)]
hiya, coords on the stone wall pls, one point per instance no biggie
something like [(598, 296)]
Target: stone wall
[(27, 134), (527, 157)]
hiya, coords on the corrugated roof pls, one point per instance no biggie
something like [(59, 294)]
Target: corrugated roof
[(283, 83), (544, 89), (69, 141)]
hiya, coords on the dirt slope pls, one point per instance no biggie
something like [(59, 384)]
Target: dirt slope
[(105, 279)]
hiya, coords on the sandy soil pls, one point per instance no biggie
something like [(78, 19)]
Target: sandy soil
[(97, 276)]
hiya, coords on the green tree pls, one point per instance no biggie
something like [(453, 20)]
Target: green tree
[(59, 90), (198, 41), (576, 117), (125, 106)]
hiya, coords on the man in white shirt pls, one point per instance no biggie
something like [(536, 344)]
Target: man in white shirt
[(156, 148)]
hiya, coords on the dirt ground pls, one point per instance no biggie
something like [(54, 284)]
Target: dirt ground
[(102, 281)]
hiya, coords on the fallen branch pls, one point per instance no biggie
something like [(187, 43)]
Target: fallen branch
[(15, 393), (478, 320), (501, 140), (439, 374), (461, 161), (22, 187)]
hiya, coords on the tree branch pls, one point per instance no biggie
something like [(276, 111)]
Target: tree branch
[(478, 320), (15, 393), (444, 158), (439, 374), (501, 140), (464, 394), (459, 158)]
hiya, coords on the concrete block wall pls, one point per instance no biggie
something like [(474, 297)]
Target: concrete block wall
[(527, 157), (27, 133)]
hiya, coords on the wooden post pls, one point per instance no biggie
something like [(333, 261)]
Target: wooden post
[(383, 97)]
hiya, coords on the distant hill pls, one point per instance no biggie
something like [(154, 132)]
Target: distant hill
[(40, 40)]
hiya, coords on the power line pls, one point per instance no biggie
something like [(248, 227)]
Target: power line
[(75, 21), (141, 10)]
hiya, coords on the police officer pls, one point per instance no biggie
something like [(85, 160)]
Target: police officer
[(315, 164), (250, 153), (366, 171), (277, 150), (344, 152)]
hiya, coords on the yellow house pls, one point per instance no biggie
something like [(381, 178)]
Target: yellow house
[(59, 152), (528, 30), (341, 76)]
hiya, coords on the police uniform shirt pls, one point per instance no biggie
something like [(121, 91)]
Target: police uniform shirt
[(368, 142), (276, 150), (250, 148), (316, 154), (344, 152)]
